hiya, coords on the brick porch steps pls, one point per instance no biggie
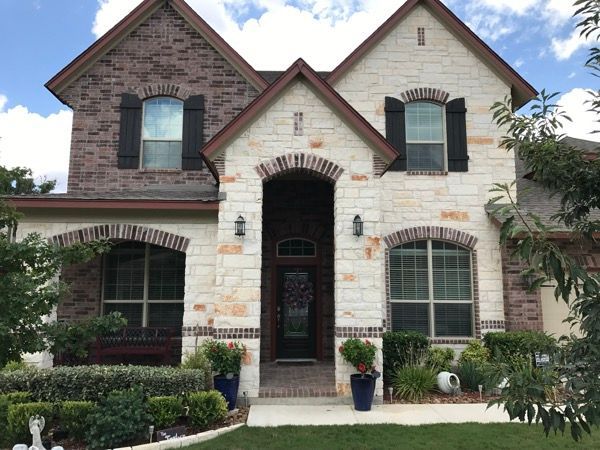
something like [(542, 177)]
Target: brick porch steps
[(303, 380)]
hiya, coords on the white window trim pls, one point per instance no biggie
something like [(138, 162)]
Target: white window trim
[(431, 302), (143, 139), (444, 141), (144, 301)]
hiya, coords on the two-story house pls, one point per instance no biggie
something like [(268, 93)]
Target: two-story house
[(288, 210)]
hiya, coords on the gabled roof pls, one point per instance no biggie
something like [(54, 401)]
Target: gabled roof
[(300, 70), (522, 91), (109, 40)]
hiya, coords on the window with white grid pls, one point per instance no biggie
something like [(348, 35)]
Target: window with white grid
[(425, 143), (431, 288), (162, 133), (145, 283)]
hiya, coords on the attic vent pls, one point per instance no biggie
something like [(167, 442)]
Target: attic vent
[(298, 124), (421, 37)]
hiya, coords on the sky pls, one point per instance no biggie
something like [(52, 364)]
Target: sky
[(39, 37)]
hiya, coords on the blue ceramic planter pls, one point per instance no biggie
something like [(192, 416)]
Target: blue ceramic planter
[(229, 388), (363, 389)]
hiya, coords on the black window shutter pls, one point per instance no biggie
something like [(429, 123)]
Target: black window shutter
[(395, 130), (456, 129), (193, 123), (130, 137)]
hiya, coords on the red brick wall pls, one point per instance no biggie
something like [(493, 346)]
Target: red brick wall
[(298, 209), (163, 50), (523, 310), (83, 301)]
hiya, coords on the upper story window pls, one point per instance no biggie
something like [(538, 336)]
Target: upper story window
[(162, 133), (431, 288), (429, 133), (425, 136)]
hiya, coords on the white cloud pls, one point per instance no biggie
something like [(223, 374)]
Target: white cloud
[(583, 121), (40, 143), (110, 12), (572, 75), (564, 48), (519, 62), (3, 102), (489, 26), (519, 7), (559, 11)]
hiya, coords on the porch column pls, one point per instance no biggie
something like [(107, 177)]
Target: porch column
[(238, 272)]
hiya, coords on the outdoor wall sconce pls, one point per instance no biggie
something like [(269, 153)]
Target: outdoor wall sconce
[(357, 226), (240, 226)]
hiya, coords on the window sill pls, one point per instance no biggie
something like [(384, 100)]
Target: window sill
[(426, 172), (160, 170)]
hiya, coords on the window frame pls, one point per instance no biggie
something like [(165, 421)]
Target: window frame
[(143, 139), (444, 140), (314, 255), (431, 301), (145, 301)]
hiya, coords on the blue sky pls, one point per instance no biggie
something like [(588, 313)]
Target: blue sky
[(39, 37)]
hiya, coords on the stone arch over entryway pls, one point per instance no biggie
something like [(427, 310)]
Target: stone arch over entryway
[(299, 163), (122, 231)]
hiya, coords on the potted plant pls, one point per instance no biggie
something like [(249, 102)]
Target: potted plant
[(361, 354), (226, 361)]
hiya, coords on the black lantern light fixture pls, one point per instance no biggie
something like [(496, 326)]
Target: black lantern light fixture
[(240, 226), (357, 226)]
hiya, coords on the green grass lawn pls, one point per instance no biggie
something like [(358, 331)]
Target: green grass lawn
[(430, 437)]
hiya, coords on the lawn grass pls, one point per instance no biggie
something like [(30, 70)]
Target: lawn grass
[(430, 437)]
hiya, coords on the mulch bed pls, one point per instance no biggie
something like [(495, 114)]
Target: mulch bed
[(437, 397)]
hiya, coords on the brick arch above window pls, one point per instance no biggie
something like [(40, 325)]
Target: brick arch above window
[(122, 231), (163, 90), (306, 163), (430, 232), (425, 94)]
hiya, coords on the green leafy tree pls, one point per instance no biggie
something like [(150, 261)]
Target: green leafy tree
[(19, 180), (574, 177), (29, 285)]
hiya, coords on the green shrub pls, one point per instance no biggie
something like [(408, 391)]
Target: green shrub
[(120, 417), (472, 374), (18, 419), (15, 365), (74, 417), (440, 359), (475, 352), (90, 382), (519, 345), (402, 347), (206, 408), (165, 411), (198, 360), (361, 354), (5, 401), (412, 382)]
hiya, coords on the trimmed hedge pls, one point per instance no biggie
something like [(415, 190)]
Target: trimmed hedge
[(401, 348), (519, 344), (91, 382), (165, 411), (206, 408), (6, 400), (73, 417), (18, 419)]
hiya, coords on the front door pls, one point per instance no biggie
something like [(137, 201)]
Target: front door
[(295, 312)]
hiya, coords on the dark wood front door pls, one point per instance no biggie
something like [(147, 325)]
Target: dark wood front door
[(296, 312)]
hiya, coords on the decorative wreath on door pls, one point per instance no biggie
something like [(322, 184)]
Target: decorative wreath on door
[(298, 292)]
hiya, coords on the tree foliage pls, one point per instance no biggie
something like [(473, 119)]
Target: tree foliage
[(30, 289), (575, 178), (19, 180)]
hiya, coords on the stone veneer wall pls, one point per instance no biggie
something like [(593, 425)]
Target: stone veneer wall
[(164, 54), (454, 200)]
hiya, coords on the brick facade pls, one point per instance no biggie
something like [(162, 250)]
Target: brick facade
[(164, 47), (85, 291)]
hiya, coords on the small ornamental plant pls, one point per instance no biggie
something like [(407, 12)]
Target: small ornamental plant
[(225, 357), (361, 354)]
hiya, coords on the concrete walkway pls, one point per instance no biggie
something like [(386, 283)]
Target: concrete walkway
[(279, 415)]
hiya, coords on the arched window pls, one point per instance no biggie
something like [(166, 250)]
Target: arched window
[(145, 283), (431, 288), (162, 133), (297, 248), (425, 137)]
